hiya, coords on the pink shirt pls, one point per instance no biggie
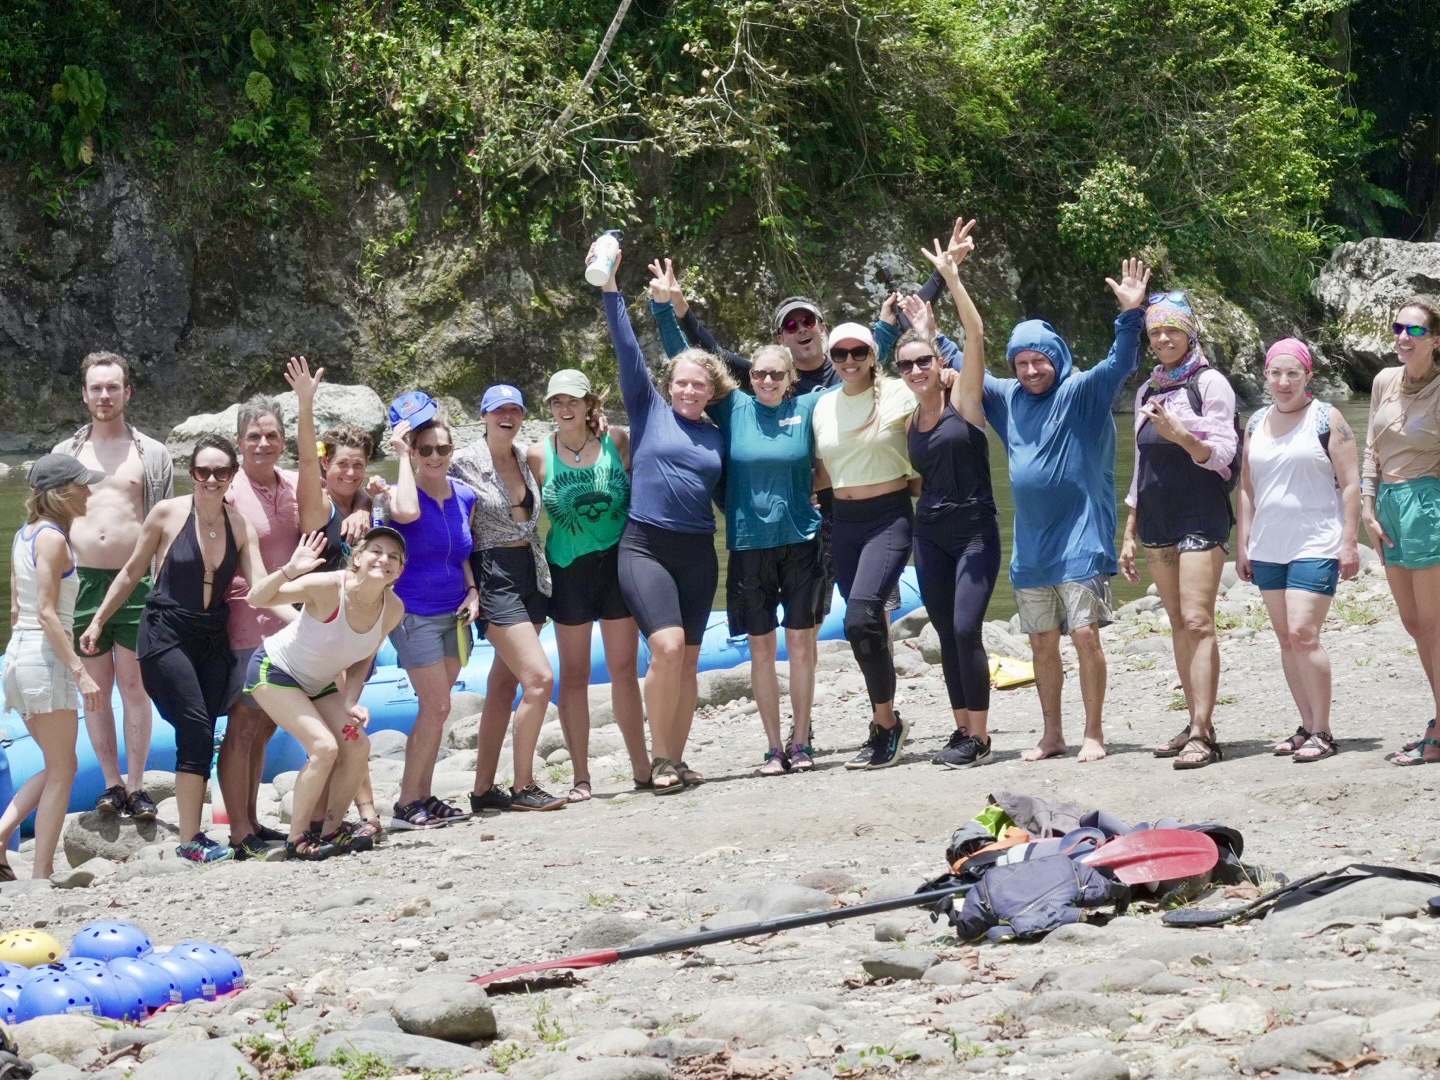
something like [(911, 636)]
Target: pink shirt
[(275, 517)]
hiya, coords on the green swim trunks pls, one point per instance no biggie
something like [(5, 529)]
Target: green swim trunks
[(123, 625)]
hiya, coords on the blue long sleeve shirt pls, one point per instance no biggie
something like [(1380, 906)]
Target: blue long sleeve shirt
[(1061, 447), (675, 464)]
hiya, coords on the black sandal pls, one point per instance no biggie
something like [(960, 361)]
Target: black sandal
[(1324, 745), (688, 776), (1208, 750), (1287, 747), (1175, 746), (664, 767)]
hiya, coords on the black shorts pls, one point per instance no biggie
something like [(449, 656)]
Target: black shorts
[(509, 589), (668, 578), (587, 589), (760, 578)]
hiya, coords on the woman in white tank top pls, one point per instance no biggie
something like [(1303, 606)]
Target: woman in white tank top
[(1298, 523), (309, 676)]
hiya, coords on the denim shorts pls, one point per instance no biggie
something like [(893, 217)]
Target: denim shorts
[(422, 640), (1303, 575)]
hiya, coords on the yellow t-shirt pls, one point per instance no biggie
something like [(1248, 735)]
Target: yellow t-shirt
[(853, 458)]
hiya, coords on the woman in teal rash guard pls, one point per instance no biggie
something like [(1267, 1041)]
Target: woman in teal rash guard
[(771, 526)]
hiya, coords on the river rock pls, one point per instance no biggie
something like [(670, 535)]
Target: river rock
[(757, 1021), (1232, 1019), (1000, 642), (1308, 1048), (909, 625), (1360, 289), (335, 404), (159, 784), (447, 1007), (67, 1038), (93, 835), (617, 1042), (1071, 1008), (772, 901), (1365, 902), (387, 744), (1102, 977), (899, 964), (928, 642), (613, 1068), (948, 973), (414, 1052), (606, 932), (1101, 1067)]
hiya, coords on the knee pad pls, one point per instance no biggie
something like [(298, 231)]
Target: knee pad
[(865, 626)]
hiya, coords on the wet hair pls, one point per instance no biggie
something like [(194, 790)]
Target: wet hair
[(53, 504), (259, 406), (216, 442), (721, 381), (1427, 304), (439, 422), (345, 435), (105, 359)]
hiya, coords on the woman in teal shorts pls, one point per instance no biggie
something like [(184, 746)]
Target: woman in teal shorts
[(1400, 493)]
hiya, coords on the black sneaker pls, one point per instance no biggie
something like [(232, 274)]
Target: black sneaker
[(891, 742), (347, 841), (140, 806), (867, 751), (534, 797), (111, 800), (497, 798), (272, 836), (964, 751), (310, 848), (252, 847)]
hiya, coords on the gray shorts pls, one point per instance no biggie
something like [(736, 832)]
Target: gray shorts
[(36, 681), (235, 689), (1068, 606), (422, 640)]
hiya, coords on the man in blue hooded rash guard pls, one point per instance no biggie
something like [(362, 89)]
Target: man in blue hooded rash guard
[(1058, 433)]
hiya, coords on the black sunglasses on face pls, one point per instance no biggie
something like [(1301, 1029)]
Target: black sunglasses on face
[(793, 324), (921, 363), (840, 354), (767, 376), (202, 474), (443, 449)]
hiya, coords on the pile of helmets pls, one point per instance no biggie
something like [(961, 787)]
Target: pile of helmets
[(112, 971)]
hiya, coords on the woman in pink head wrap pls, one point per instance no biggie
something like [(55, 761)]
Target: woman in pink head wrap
[(1297, 531)]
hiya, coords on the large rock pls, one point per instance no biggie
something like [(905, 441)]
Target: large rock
[(93, 835), (1309, 1048), (413, 1052), (772, 901), (1000, 642), (448, 1007), (68, 1038), (757, 1021), (186, 1061), (335, 404), (1359, 291), (1363, 903)]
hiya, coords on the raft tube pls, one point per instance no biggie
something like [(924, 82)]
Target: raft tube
[(389, 697)]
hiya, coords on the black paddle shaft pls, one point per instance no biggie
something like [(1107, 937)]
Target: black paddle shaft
[(788, 922)]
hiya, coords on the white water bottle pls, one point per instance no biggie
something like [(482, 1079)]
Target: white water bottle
[(601, 259)]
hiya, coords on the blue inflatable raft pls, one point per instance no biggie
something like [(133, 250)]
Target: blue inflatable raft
[(389, 697)]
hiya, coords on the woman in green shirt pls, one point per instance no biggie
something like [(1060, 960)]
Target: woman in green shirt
[(583, 472)]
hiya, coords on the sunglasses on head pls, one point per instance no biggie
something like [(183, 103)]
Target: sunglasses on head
[(767, 376), (920, 363), (795, 322), (221, 473), (1176, 296), (443, 449), (1410, 329), (840, 354)]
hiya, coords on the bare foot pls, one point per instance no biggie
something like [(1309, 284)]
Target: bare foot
[(1045, 750), (1091, 750)]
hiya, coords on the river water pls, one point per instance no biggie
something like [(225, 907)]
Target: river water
[(1002, 606)]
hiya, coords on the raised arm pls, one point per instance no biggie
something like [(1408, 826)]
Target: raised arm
[(1347, 478), (968, 392), (292, 582), (310, 495), (687, 329), (1106, 377), (404, 495), (152, 533), (636, 385), (663, 310)]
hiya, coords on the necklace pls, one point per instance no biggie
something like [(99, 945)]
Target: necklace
[(572, 450), (211, 525)]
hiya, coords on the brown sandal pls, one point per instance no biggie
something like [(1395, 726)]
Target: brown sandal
[(1174, 747), (1208, 752), (1287, 747), (665, 767), (7, 872), (688, 776)]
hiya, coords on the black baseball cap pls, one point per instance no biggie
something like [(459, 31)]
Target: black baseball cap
[(385, 530)]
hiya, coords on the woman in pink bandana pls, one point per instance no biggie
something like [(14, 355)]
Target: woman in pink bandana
[(1298, 529), (1179, 499)]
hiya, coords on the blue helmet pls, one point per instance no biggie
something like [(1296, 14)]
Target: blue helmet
[(52, 995), (221, 964), (156, 984), (192, 980), (73, 966), (117, 997), (8, 1000), (109, 939)]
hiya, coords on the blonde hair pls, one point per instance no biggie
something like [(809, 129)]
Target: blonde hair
[(721, 381), (52, 504), (784, 357)]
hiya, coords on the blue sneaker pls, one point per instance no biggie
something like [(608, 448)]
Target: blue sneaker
[(201, 849)]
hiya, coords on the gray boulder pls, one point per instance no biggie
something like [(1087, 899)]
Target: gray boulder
[(93, 835), (928, 641), (772, 901), (187, 1061), (756, 1021), (335, 404), (909, 625), (448, 1007), (414, 1052), (65, 1037), (1308, 1048), (606, 932), (1359, 291), (1000, 642), (899, 964)]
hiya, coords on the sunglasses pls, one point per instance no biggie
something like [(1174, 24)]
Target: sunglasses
[(443, 449), (223, 473), (1409, 329), (1177, 296), (920, 363), (840, 354), (793, 324), (768, 376)]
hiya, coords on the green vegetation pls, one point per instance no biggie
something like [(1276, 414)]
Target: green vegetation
[(1224, 136)]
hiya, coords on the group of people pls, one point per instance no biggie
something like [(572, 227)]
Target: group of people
[(266, 594)]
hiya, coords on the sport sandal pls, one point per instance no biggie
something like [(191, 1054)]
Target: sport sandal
[(1205, 750), (1286, 747), (665, 768), (1175, 746)]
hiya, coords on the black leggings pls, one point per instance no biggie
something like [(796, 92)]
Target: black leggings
[(957, 562), (872, 546), (187, 681), (668, 578)]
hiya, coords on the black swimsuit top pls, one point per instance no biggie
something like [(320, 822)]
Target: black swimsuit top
[(181, 580)]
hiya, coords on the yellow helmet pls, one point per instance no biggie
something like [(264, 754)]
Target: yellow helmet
[(30, 947)]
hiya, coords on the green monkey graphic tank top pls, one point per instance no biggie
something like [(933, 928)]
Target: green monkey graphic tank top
[(587, 506)]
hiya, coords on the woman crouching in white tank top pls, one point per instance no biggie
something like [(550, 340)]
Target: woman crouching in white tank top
[(308, 677)]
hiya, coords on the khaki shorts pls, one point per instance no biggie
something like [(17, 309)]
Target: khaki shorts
[(1068, 606)]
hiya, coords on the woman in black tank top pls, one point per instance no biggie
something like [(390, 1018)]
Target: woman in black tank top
[(184, 653)]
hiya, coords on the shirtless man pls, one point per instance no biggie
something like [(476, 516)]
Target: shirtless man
[(137, 476)]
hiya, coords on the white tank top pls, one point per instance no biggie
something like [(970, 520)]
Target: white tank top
[(27, 580), (316, 652), (1297, 505)]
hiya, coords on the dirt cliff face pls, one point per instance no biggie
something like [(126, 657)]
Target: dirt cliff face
[(209, 311)]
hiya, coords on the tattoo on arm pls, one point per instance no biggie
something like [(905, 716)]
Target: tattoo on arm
[(1343, 430)]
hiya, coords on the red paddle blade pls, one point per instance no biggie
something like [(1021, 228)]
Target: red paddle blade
[(1156, 855), (584, 960)]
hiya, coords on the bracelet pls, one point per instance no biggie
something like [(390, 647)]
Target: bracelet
[(473, 588), (286, 576)]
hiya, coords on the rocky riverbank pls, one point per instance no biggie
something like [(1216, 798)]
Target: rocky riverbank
[(357, 966)]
